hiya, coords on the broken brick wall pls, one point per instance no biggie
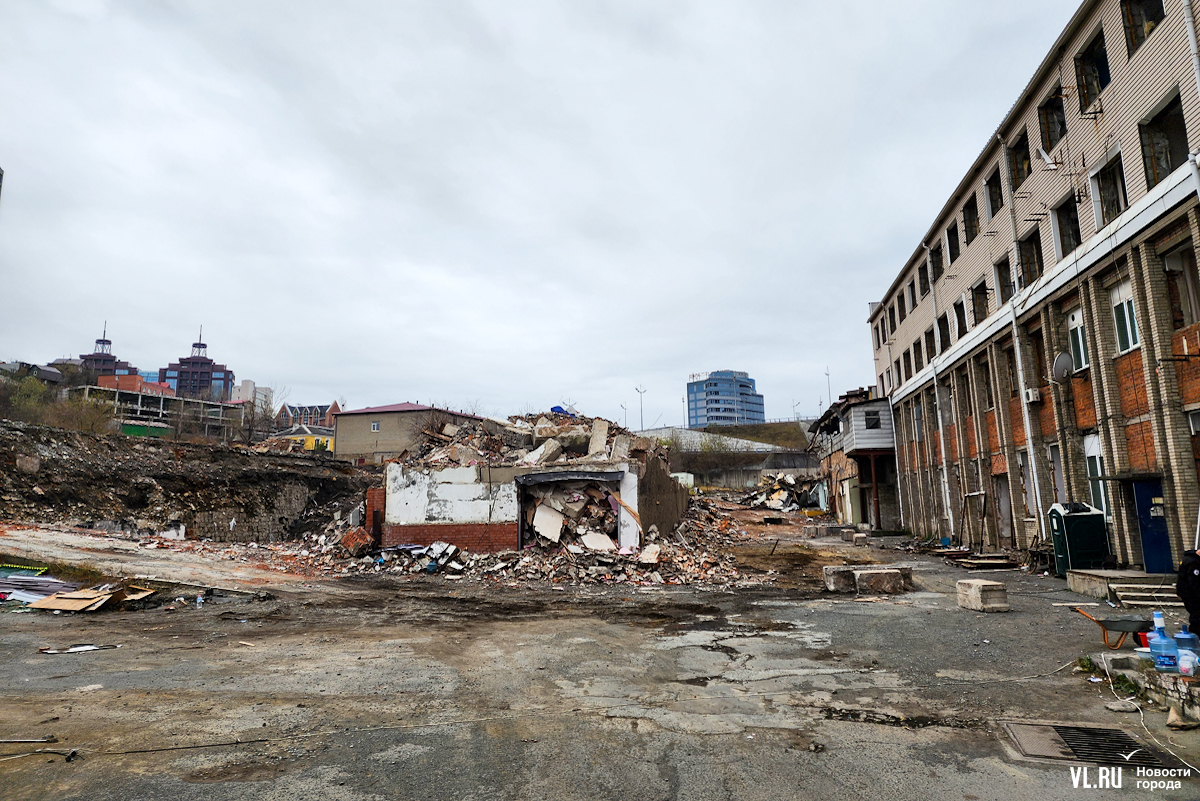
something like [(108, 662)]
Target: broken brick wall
[(471, 537)]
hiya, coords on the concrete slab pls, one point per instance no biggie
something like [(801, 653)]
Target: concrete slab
[(982, 595)]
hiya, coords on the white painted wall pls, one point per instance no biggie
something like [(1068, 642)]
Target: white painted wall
[(453, 495)]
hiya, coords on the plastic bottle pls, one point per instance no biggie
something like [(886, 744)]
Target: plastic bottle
[(1163, 648), (1186, 639), (199, 601), (1187, 662)]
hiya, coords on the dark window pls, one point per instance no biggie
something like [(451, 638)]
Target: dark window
[(943, 325), (1038, 345), (916, 352), (892, 318), (1052, 117), (897, 373), (900, 305), (964, 394), (1111, 181), (1004, 281), (935, 259), (1091, 71), (952, 242), (912, 294), (877, 342), (960, 317), (986, 376), (970, 220), (934, 415), (907, 365), (995, 194), (1011, 359), (1069, 237), (979, 302), (871, 420), (1141, 17), (930, 344), (923, 278), (1030, 251), (1018, 158), (1164, 143), (1182, 290)]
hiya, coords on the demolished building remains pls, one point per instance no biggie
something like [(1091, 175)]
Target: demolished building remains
[(854, 442)]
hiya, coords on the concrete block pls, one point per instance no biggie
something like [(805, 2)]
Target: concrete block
[(879, 581), (548, 523), (545, 453), (847, 534), (839, 578), (862, 540), (982, 595), (598, 443)]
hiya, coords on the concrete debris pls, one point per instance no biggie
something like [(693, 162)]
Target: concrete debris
[(548, 522), (781, 493), (981, 595), (596, 541)]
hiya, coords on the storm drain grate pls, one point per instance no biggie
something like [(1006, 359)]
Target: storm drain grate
[(1080, 744), (1106, 746)]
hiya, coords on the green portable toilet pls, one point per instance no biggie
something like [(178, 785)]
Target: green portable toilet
[(1080, 537)]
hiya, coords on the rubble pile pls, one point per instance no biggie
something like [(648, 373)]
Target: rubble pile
[(154, 486), (527, 440), (782, 493)]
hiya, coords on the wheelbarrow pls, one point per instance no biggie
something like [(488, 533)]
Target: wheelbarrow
[(1125, 624)]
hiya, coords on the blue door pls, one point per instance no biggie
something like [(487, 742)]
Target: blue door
[(1152, 523)]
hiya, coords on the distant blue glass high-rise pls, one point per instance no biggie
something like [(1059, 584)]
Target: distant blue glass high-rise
[(723, 398)]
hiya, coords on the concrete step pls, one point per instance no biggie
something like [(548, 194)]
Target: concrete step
[(1152, 604)]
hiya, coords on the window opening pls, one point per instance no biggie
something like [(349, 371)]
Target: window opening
[(952, 242), (960, 317), (1182, 290), (1067, 217), (1091, 71), (1030, 251), (1141, 17), (871, 420), (1052, 118), (923, 278), (1124, 317), (1111, 184), (1078, 340), (995, 194), (1164, 143), (970, 220), (943, 325), (1018, 157), (935, 259), (979, 302), (916, 352), (1004, 281)]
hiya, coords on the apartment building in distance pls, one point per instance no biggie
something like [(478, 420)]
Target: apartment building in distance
[(1041, 344), (198, 376), (723, 398)]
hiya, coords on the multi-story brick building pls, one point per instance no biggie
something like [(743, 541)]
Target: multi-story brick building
[(198, 376), (1041, 343)]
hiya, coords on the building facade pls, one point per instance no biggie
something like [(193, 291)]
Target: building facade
[(1040, 344), (378, 433), (855, 444), (723, 397), (103, 362), (294, 415), (197, 376)]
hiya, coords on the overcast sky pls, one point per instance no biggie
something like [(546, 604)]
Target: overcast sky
[(499, 205)]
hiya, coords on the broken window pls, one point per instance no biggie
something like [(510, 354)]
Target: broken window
[(1066, 218), (923, 278), (907, 365), (952, 242), (892, 318), (871, 420), (875, 328), (1030, 251), (930, 344), (1077, 339), (1140, 17), (1124, 317), (900, 306), (1164, 143), (916, 352), (995, 194), (1110, 185), (979, 302), (1180, 267), (960, 317), (970, 220), (897, 372), (1052, 118), (943, 325), (1021, 163), (1011, 359), (912, 294), (1091, 71), (1004, 281), (935, 259)]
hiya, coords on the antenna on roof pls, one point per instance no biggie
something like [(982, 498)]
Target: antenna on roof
[(103, 345), (198, 347)]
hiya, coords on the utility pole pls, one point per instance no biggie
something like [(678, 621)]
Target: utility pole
[(626, 424), (828, 386), (641, 391)]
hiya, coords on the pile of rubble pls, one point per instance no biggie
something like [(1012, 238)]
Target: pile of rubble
[(525, 440), (782, 493)]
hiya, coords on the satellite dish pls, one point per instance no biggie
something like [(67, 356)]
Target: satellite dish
[(1063, 366)]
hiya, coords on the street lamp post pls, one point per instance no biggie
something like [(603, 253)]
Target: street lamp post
[(641, 391)]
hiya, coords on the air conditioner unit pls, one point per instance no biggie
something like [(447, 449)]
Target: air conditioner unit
[(1033, 395)]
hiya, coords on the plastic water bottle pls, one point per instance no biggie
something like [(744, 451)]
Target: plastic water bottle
[(199, 601), (1163, 648), (1186, 639)]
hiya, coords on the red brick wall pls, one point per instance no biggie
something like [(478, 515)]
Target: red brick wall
[(1045, 413), (1131, 384), (937, 449), (1083, 400), (993, 433), (474, 537), (999, 464), (952, 441), (972, 446), (1139, 438), (1188, 372), (376, 499), (1018, 422)]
